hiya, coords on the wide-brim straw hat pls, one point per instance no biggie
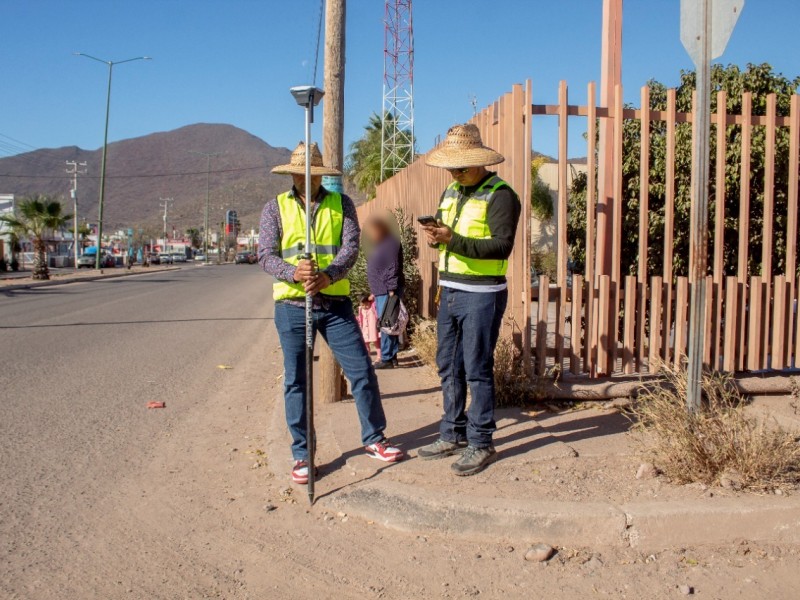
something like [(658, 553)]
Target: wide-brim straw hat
[(463, 148), (297, 163)]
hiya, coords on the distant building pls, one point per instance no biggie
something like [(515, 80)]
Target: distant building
[(6, 208)]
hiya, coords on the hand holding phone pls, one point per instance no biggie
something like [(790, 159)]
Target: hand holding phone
[(427, 221)]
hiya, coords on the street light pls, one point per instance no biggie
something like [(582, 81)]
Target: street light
[(308, 97), (110, 64), (208, 156)]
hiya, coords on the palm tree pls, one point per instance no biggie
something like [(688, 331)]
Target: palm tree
[(194, 237), (35, 217), (363, 164)]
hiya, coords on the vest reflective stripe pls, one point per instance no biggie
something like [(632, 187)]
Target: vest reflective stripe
[(467, 217), (326, 239), (292, 252)]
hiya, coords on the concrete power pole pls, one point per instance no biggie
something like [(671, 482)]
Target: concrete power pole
[(330, 375), (75, 169), (165, 202)]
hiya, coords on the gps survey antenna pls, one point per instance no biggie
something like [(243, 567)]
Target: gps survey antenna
[(308, 97)]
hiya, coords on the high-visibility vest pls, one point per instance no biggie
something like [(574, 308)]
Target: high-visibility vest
[(326, 239), (467, 216)]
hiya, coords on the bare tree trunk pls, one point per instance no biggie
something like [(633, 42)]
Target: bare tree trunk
[(40, 270), (330, 374)]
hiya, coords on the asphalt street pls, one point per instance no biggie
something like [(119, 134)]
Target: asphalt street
[(78, 363)]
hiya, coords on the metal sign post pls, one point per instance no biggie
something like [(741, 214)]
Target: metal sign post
[(706, 27), (308, 97)]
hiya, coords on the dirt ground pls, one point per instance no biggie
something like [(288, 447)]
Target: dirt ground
[(201, 511), (195, 524)]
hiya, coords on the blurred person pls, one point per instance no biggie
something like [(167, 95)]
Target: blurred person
[(367, 317), (386, 280)]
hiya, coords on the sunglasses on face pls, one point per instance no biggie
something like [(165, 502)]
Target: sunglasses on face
[(460, 171)]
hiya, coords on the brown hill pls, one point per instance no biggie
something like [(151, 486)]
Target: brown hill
[(142, 170)]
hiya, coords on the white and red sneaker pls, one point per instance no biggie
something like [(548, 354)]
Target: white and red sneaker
[(300, 472), (384, 451)]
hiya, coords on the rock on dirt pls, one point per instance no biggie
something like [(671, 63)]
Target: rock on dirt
[(539, 553), (685, 589), (646, 471), (731, 480)]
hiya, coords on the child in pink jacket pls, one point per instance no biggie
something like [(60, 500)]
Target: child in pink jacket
[(367, 317)]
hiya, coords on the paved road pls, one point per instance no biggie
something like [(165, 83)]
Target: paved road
[(78, 362)]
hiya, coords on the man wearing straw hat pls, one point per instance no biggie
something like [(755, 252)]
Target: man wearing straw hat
[(335, 234), (474, 232)]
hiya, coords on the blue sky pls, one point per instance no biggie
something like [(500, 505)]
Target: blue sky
[(232, 61)]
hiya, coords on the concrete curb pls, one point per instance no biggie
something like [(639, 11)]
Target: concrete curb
[(646, 526), (51, 282)]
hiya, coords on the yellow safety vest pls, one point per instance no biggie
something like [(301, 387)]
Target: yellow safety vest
[(326, 239), (467, 216)]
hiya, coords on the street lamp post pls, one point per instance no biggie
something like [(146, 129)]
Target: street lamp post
[(110, 64), (208, 156)]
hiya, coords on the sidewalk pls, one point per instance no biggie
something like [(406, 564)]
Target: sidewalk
[(567, 478), (73, 276)]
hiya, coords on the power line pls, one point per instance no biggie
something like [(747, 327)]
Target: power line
[(319, 35), (20, 142), (138, 175)]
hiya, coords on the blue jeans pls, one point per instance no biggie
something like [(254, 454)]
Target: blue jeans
[(468, 326), (390, 344), (339, 329)]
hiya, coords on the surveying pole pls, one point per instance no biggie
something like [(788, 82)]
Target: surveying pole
[(75, 168), (308, 97)]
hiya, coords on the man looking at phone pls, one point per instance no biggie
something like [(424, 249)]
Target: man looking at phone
[(474, 231)]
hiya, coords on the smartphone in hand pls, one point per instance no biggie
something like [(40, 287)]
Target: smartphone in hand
[(428, 221)]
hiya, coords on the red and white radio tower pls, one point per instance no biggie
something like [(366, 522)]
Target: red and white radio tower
[(397, 120)]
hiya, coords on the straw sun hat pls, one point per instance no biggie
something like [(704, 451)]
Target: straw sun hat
[(463, 148), (297, 163)]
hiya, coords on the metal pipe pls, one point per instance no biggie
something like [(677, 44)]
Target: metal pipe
[(699, 217)]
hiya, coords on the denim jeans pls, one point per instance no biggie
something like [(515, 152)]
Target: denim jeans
[(338, 327), (390, 344), (468, 325)]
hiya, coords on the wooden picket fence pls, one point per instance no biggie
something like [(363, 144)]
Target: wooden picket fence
[(606, 323), (602, 322)]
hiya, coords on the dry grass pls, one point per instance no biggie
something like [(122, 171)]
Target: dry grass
[(720, 443), (513, 386)]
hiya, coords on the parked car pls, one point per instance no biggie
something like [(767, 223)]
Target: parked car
[(245, 258), (88, 261), (166, 259), (200, 256), (178, 257), (154, 258)]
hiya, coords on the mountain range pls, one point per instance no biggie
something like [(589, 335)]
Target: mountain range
[(144, 170)]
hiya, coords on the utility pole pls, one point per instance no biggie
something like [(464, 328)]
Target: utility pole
[(75, 169), (165, 202), (330, 374), (208, 156)]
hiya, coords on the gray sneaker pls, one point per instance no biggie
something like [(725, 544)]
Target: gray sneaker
[(441, 448), (473, 460)]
